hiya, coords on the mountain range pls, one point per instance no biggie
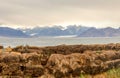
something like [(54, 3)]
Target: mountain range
[(9, 32), (103, 32), (78, 31), (55, 31)]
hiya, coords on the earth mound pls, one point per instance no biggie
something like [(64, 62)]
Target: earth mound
[(63, 61)]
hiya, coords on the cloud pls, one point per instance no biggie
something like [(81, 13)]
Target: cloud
[(50, 12)]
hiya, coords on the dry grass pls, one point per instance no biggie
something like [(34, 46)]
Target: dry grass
[(113, 73), (64, 61)]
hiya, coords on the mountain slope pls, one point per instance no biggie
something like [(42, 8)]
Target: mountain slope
[(55, 31), (9, 32), (104, 32), (79, 31)]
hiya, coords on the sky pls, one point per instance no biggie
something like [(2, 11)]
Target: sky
[(30, 13)]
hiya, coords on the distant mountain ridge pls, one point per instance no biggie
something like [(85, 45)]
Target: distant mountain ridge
[(79, 31), (55, 31), (9, 32), (103, 32)]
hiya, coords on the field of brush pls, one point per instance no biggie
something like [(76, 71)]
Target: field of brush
[(63, 61), (112, 73)]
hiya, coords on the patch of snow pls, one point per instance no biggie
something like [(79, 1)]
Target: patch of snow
[(33, 34), (66, 36), (24, 31)]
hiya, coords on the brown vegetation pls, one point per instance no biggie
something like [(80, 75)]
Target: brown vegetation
[(1, 47), (63, 61)]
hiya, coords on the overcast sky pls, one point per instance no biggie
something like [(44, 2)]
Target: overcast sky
[(99, 13)]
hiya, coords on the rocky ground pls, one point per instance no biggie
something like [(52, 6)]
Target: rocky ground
[(63, 61)]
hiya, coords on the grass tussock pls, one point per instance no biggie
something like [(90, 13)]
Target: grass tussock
[(113, 73), (63, 61)]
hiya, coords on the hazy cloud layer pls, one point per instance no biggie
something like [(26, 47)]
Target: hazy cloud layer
[(50, 12)]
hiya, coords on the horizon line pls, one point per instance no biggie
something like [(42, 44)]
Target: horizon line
[(64, 26)]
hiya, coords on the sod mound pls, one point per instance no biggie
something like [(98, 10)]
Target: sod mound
[(63, 61)]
